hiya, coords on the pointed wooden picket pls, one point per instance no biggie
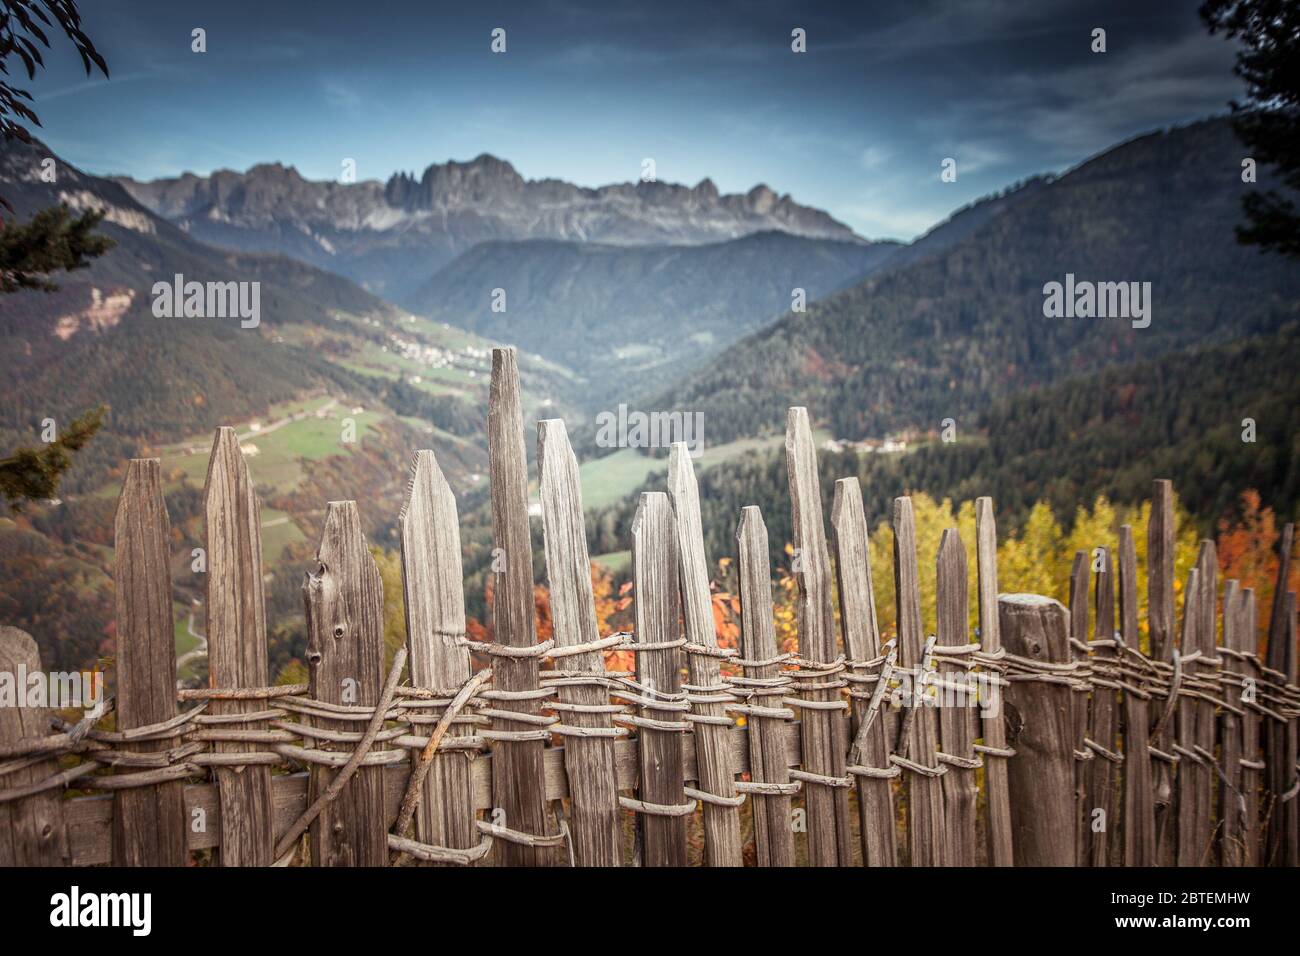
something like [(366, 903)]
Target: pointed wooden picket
[(713, 759), (149, 821), (589, 753), (344, 602), (821, 715), (235, 627), (517, 765), (435, 627)]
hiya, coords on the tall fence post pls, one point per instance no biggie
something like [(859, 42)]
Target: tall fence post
[(1204, 677), (1232, 802), (584, 704), (1160, 618), (1083, 757), (435, 631), (236, 631), (1036, 630), (713, 760), (661, 778), (822, 725), (1139, 791), (1193, 772), (1291, 751), (148, 821), (769, 764), (918, 743), (518, 777), (870, 754), (956, 722), (1281, 774), (1102, 773), (32, 828), (344, 603), (1252, 758), (993, 725)]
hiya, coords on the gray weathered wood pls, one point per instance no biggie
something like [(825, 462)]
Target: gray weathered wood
[(1042, 774), (1291, 753), (1187, 829), (1139, 792), (925, 811), (1231, 800), (148, 822), (1160, 619), (715, 766), (1252, 778), (1281, 774), (1079, 578), (344, 602), (993, 723), (773, 830), (589, 760), (516, 764), (236, 631), (877, 823), (1104, 783), (1102, 774), (658, 608), (32, 829), (435, 628), (1206, 611), (956, 719), (824, 730)]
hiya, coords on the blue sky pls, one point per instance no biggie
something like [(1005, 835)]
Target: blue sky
[(858, 125)]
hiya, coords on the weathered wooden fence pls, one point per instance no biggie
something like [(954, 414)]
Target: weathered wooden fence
[(1050, 729)]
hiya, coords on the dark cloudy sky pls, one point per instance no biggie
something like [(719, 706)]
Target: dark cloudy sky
[(586, 90)]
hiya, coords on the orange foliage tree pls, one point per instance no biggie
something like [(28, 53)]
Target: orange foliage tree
[(1248, 552)]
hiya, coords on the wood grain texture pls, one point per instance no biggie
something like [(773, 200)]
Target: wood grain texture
[(148, 822), (1252, 779), (1232, 809), (1280, 776), (32, 829), (1186, 782), (1205, 729), (1291, 753), (997, 799), (516, 764), (1139, 792), (925, 811), (824, 731), (1160, 619), (1041, 776), (956, 717), (773, 832), (429, 529), (858, 618), (658, 609), (344, 603), (589, 761), (715, 765), (235, 626), (1102, 775), (1079, 619)]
